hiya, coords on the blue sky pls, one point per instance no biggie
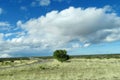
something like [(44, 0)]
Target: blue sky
[(38, 27)]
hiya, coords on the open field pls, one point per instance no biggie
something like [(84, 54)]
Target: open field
[(74, 69)]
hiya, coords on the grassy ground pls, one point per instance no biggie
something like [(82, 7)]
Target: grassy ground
[(75, 69), (15, 63)]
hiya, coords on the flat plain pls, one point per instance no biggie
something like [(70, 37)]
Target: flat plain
[(74, 69)]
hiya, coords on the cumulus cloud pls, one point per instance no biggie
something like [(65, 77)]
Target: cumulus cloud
[(91, 25), (69, 28)]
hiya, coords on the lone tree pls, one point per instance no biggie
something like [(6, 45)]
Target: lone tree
[(61, 55)]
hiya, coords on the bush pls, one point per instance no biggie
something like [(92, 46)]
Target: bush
[(61, 55)]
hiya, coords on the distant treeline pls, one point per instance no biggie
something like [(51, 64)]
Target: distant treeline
[(23, 58), (100, 56)]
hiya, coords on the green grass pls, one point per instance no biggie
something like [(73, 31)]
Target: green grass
[(74, 69)]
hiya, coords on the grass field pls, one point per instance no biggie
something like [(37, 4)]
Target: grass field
[(74, 69)]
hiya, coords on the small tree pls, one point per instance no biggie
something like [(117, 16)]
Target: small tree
[(61, 55)]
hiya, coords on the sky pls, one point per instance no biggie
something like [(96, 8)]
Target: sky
[(39, 27)]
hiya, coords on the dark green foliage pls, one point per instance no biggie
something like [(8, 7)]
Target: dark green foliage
[(61, 55), (12, 60)]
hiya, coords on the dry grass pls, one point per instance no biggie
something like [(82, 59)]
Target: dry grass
[(16, 63), (75, 69)]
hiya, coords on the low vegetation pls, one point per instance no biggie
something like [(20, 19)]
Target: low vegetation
[(61, 55), (75, 69)]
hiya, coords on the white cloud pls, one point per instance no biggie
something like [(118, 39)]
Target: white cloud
[(1, 37), (85, 25), (44, 2), (40, 3), (76, 45), (8, 34), (4, 56), (86, 44), (76, 26), (4, 24)]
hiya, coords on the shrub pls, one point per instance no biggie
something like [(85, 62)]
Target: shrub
[(12, 61), (61, 55)]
